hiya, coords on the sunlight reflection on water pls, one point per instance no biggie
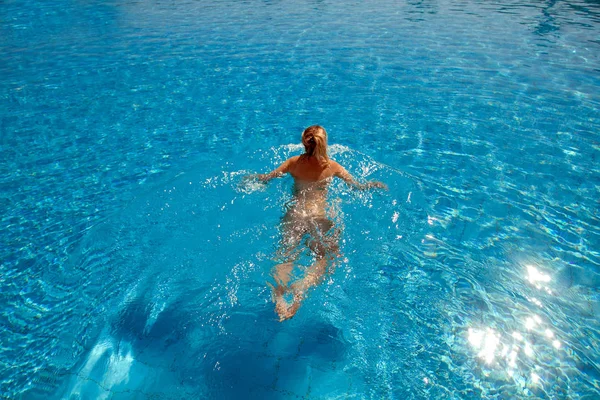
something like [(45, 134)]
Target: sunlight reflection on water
[(518, 354)]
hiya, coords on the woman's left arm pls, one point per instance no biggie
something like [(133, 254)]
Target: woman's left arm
[(341, 172)]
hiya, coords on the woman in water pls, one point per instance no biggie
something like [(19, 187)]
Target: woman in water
[(307, 217)]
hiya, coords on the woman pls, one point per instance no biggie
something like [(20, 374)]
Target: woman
[(307, 217)]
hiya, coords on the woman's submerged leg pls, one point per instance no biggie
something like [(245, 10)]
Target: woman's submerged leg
[(282, 272), (325, 249)]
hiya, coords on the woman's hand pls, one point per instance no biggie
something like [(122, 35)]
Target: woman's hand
[(376, 185), (255, 177), (252, 183)]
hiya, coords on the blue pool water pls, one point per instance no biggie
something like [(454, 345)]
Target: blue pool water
[(134, 262)]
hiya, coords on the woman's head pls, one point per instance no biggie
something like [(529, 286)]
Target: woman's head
[(314, 139)]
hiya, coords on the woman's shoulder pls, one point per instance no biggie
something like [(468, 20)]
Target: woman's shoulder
[(334, 165), (294, 159), (291, 162)]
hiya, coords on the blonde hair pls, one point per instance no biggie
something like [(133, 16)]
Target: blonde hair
[(318, 146)]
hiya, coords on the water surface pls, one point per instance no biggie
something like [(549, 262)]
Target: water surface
[(134, 265)]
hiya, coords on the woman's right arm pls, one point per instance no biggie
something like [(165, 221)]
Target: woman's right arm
[(276, 173)]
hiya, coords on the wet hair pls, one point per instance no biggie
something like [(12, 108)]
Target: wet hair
[(314, 139)]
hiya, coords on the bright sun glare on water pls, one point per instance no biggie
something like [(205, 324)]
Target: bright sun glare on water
[(516, 354)]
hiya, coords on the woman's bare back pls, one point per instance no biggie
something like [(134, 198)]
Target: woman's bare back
[(310, 169)]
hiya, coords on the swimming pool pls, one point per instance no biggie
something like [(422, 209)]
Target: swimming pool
[(134, 263)]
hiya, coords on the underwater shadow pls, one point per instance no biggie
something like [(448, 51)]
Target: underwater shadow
[(247, 354)]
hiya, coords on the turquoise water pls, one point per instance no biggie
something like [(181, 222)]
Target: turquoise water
[(134, 264)]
